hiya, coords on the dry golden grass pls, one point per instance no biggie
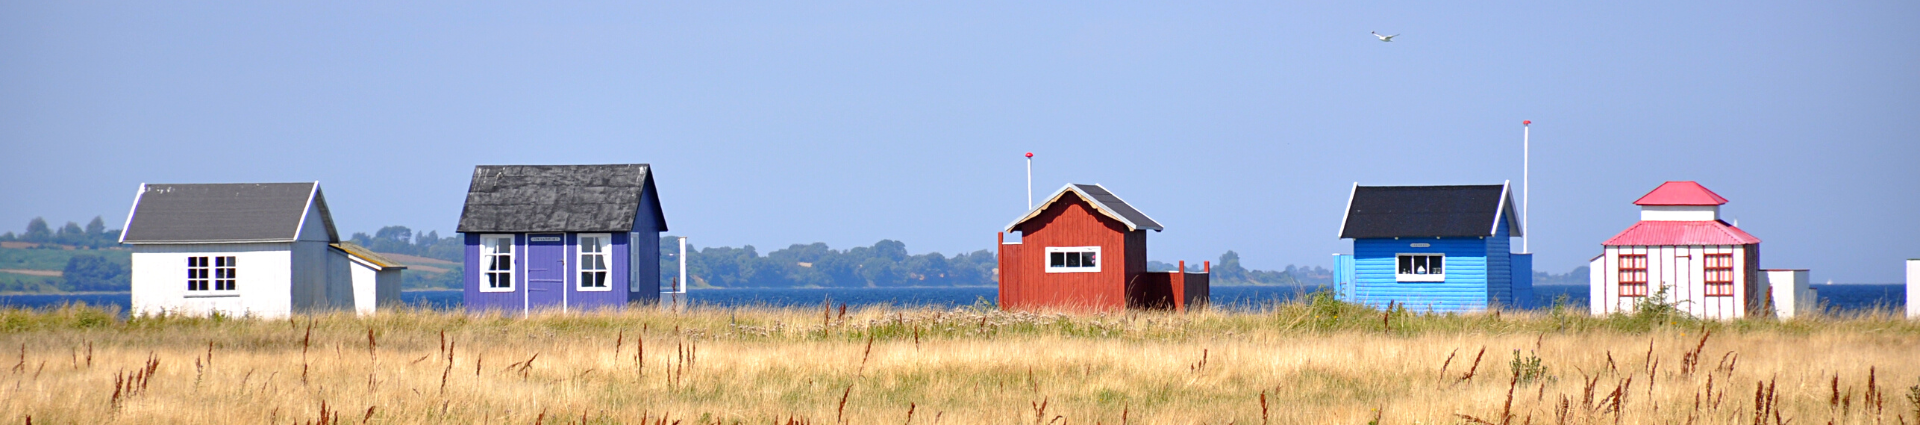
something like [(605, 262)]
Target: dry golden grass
[(1307, 362)]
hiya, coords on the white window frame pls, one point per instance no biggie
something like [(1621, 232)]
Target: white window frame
[(1422, 276), (1066, 252), (488, 257), (606, 262), (213, 275)]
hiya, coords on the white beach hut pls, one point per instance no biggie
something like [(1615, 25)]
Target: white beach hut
[(261, 249)]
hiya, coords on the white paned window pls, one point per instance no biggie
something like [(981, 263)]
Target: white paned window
[(213, 273), (594, 249), (1420, 268), (496, 259), (1073, 259)]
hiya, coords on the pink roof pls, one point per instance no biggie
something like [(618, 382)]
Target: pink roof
[(1681, 193), (1659, 233)]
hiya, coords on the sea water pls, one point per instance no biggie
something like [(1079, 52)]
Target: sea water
[(1841, 297)]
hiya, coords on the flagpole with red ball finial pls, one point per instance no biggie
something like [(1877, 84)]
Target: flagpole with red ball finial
[(1526, 181), (1029, 180)]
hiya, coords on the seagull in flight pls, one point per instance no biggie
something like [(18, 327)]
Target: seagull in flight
[(1385, 38)]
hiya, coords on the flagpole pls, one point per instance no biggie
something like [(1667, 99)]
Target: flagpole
[(1526, 181), (1029, 180)]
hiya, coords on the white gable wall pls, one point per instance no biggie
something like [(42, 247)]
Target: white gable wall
[(364, 277), (372, 286), (321, 279), (159, 277), (1681, 270), (312, 227), (1679, 213)]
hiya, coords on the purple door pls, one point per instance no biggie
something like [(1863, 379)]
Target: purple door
[(546, 271)]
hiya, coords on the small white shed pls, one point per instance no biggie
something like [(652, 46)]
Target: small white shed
[(260, 249), (376, 279), (1790, 293)]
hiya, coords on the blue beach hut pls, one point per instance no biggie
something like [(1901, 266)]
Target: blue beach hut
[(561, 237), (1433, 248)]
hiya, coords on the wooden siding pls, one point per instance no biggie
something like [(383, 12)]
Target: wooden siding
[(1025, 283), (1343, 276), (1500, 268), (574, 299), (1174, 290), (616, 296), (644, 261), (264, 287), (1195, 289), (1913, 289), (1681, 270), (476, 301), (1465, 288), (1597, 290), (1522, 273)]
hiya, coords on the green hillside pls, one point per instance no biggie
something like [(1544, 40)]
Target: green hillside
[(49, 268)]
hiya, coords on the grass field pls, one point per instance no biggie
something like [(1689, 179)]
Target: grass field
[(1313, 361)]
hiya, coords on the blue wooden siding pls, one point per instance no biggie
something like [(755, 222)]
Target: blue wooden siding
[(1465, 288), (1523, 280), (1343, 276), (616, 275), (1500, 266), (477, 301), (646, 243)]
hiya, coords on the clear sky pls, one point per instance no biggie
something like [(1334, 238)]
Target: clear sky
[(1238, 126)]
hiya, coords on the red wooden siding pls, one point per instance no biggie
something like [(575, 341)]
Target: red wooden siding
[(1025, 283)]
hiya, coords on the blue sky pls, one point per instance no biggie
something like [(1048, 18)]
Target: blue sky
[(1239, 126)]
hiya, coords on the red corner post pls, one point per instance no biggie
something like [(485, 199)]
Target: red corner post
[(1179, 283)]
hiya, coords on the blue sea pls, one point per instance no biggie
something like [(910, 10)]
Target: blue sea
[(1844, 297)]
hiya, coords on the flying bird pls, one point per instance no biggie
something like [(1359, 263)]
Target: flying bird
[(1385, 38)]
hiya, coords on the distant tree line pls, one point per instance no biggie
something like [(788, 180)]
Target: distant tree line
[(1228, 271), (95, 235), (885, 264), (1576, 277)]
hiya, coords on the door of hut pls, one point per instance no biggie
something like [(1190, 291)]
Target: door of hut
[(546, 271)]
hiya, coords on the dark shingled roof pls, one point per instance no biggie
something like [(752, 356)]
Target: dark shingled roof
[(1104, 201), (224, 213), (1428, 211), (557, 198)]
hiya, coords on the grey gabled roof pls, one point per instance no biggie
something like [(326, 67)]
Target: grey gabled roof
[(1102, 200), (558, 198), (225, 213), (1428, 211)]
